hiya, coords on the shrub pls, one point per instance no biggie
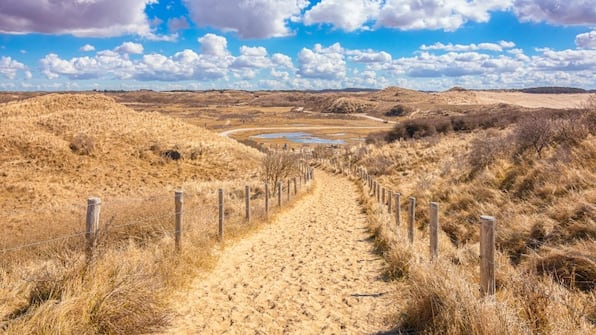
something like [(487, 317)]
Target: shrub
[(82, 144), (399, 110), (534, 133), (486, 149), (278, 166)]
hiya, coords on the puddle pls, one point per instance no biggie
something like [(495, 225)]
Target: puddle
[(299, 137)]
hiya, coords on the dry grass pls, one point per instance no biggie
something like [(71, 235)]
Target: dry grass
[(545, 232)]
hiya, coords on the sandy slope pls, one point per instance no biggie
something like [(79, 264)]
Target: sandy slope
[(532, 100), (310, 272)]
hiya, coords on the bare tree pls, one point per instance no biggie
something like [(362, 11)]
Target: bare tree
[(278, 166)]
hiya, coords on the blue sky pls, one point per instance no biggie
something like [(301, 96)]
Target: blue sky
[(296, 44)]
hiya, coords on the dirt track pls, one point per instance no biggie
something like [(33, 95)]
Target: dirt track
[(310, 272)]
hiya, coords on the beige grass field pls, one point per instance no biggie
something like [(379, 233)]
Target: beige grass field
[(331, 261)]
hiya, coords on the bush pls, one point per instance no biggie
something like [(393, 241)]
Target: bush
[(399, 110), (486, 149), (82, 144), (534, 133), (278, 166)]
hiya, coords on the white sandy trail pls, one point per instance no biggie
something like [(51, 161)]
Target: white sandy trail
[(310, 272)]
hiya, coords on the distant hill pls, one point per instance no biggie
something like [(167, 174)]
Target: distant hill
[(555, 90)]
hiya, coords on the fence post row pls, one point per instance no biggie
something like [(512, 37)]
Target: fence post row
[(412, 219), (92, 225), (247, 202), (434, 230), (221, 213), (487, 255), (178, 200)]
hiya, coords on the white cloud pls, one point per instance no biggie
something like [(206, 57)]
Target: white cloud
[(178, 23), (565, 60), (97, 18), (9, 67), (130, 48), (348, 15), (282, 60), (369, 56), (586, 40), (448, 15), (322, 63), (87, 48), (214, 45), (252, 57), (248, 18), (568, 12), (498, 47)]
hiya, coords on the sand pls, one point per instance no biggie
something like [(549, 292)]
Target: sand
[(533, 100), (312, 271)]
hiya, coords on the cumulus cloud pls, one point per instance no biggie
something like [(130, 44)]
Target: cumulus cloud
[(569, 12), (498, 47), (436, 14), (87, 48), (348, 15), (97, 18), (252, 57), (248, 18), (9, 67), (282, 60), (130, 48), (586, 40), (322, 63), (214, 45)]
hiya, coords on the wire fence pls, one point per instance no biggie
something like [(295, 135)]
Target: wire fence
[(377, 192), (123, 218)]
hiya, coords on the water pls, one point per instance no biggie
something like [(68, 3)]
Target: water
[(299, 137)]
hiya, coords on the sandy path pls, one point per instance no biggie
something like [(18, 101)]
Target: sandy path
[(310, 272)]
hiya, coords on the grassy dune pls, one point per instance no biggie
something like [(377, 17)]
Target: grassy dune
[(543, 199)]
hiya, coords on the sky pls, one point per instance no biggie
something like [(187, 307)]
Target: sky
[(431, 45)]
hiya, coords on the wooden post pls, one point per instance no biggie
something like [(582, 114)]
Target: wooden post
[(487, 255), (221, 214), (398, 209), (412, 219), (295, 186), (178, 200), (247, 201), (434, 230), (389, 200), (279, 193), (92, 225), (378, 192), (289, 188), (266, 199), (383, 195), (374, 188)]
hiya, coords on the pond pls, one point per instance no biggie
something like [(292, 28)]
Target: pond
[(299, 137)]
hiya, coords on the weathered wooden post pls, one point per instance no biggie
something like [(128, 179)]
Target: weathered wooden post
[(92, 226), (378, 192), (398, 209), (487, 255), (279, 193), (434, 230), (178, 200), (221, 213), (389, 200), (295, 186), (412, 219), (266, 199), (383, 195), (247, 202), (289, 188)]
